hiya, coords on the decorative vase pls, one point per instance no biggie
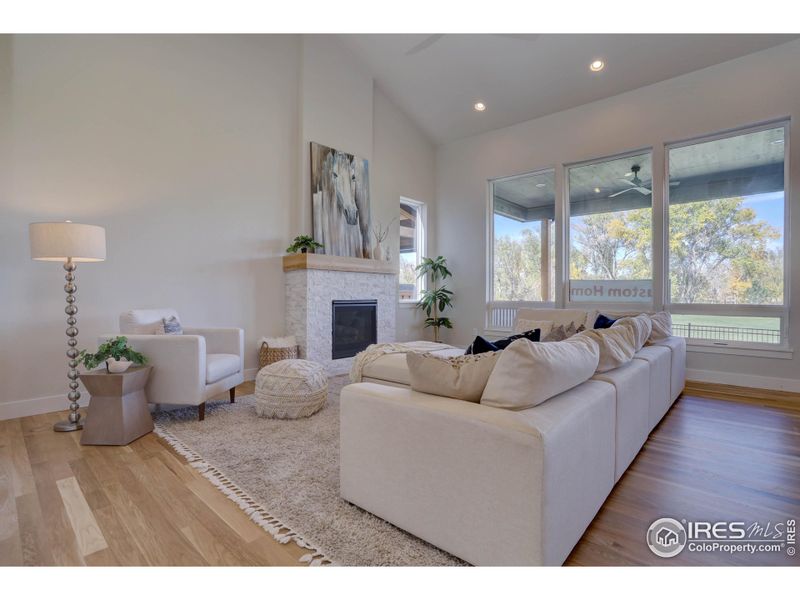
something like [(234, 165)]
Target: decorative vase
[(377, 252), (117, 366)]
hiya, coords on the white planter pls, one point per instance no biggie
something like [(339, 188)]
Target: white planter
[(117, 366)]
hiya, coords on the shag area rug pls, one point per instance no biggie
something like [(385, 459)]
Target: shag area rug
[(285, 475)]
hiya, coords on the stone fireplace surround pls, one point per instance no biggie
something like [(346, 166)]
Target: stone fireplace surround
[(314, 281)]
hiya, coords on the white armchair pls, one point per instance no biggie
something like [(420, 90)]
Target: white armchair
[(188, 369)]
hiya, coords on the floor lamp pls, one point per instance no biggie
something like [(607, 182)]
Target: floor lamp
[(69, 243)]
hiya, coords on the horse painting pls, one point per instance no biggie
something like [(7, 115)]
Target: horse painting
[(340, 202)]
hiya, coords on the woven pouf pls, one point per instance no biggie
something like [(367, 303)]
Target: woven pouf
[(290, 389)]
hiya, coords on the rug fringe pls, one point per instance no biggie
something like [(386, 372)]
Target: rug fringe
[(258, 514)]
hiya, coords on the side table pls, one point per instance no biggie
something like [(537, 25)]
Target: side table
[(118, 412)]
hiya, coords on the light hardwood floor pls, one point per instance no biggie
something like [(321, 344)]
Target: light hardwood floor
[(66, 504)]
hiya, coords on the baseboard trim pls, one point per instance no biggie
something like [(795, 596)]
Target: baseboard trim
[(743, 380), (36, 406)]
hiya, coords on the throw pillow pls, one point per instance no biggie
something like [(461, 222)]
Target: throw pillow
[(642, 326), (528, 373), (481, 344), (662, 326), (544, 327), (617, 345), (603, 322), (462, 377), (171, 326)]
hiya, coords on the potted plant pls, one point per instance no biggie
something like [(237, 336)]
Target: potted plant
[(303, 243), (116, 353), (436, 297)]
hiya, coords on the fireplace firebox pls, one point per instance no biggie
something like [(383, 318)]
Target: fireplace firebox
[(354, 326)]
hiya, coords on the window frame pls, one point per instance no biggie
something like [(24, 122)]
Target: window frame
[(512, 305), (566, 228), (421, 235), (725, 310)]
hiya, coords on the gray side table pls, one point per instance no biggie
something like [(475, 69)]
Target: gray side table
[(118, 412)]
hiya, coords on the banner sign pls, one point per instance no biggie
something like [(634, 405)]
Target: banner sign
[(611, 290)]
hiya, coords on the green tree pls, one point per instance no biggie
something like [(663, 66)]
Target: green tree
[(518, 267)]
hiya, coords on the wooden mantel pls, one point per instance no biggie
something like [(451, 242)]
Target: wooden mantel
[(327, 262)]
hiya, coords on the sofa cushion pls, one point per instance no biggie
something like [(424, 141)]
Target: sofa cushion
[(543, 327), (677, 346), (642, 327), (632, 384), (617, 345), (219, 366), (662, 326), (528, 373), (394, 368), (559, 316), (145, 321), (659, 359), (462, 377)]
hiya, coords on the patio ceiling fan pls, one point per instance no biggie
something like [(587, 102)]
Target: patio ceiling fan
[(435, 37), (637, 184)]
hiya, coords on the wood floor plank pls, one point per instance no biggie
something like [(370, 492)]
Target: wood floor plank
[(87, 531), (33, 537), (14, 455), (10, 544)]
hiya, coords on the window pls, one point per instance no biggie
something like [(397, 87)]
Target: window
[(522, 264), (726, 237), (610, 230), (412, 248)]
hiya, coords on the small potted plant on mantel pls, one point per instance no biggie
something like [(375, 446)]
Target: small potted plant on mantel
[(304, 244), (116, 353)]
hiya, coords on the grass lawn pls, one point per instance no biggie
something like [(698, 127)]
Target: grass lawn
[(712, 320)]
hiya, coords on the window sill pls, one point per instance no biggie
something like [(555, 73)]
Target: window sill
[(407, 303), (780, 352)]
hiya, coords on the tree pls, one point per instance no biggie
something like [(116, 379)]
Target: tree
[(517, 267)]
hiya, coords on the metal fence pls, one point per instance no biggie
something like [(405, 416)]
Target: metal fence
[(501, 318), (727, 334)]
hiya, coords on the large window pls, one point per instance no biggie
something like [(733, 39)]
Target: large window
[(726, 237), (610, 230), (412, 248)]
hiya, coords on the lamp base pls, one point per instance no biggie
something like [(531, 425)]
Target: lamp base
[(68, 426)]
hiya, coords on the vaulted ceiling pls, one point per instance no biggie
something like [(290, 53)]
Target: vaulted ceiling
[(437, 79)]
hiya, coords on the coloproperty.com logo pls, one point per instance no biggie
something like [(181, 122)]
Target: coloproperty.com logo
[(668, 537)]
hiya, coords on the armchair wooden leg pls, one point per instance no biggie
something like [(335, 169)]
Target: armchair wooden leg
[(232, 392), (201, 412)]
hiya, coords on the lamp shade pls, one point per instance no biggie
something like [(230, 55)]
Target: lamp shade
[(60, 241)]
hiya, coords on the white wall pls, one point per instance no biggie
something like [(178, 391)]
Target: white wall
[(192, 152), (404, 165), (755, 88)]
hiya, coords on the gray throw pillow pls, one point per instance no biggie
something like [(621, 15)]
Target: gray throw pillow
[(172, 326)]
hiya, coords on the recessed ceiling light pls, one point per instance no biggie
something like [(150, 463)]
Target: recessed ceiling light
[(596, 190), (777, 142), (597, 65), (479, 106), (629, 173), (541, 185)]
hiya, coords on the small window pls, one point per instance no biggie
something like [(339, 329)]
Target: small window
[(610, 230), (412, 248)]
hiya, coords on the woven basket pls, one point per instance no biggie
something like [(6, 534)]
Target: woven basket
[(267, 355)]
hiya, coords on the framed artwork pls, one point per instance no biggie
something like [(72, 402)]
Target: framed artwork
[(340, 202)]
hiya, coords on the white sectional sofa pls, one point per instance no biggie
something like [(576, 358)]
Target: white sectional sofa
[(495, 486)]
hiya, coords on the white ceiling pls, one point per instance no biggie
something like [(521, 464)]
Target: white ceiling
[(524, 77)]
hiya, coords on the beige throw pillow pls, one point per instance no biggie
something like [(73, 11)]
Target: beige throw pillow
[(462, 377), (528, 373), (617, 345), (642, 326), (662, 326)]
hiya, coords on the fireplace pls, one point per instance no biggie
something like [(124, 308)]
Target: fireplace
[(353, 326)]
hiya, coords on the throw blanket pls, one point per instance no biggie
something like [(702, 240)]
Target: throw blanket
[(375, 351)]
